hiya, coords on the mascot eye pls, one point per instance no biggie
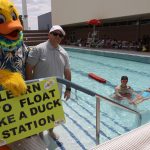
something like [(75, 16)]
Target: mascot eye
[(2, 19), (14, 16)]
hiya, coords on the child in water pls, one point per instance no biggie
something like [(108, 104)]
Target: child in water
[(124, 91)]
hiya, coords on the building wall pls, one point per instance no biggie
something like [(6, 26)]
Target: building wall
[(75, 11), (128, 33), (44, 21)]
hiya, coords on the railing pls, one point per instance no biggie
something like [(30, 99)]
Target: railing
[(98, 97)]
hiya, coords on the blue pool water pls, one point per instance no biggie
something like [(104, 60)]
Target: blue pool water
[(79, 130)]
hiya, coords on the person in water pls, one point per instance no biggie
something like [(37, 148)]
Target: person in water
[(145, 95), (124, 91)]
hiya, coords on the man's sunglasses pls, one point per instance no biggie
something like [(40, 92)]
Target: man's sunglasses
[(57, 34)]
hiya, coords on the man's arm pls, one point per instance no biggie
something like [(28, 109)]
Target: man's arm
[(32, 59), (147, 90), (67, 74)]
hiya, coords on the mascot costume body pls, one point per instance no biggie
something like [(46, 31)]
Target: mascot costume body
[(13, 55)]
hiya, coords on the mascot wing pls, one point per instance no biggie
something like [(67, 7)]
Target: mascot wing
[(12, 81)]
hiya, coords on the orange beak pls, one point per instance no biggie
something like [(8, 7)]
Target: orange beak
[(10, 30)]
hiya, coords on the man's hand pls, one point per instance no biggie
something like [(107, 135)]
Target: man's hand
[(67, 94)]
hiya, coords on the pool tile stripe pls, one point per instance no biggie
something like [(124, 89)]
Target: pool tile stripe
[(89, 122), (106, 115), (74, 137)]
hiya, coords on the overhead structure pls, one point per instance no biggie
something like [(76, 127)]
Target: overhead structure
[(25, 14), (94, 23)]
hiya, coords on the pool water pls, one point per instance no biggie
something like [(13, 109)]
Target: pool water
[(79, 130)]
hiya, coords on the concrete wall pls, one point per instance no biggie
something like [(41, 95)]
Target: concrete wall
[(75, 11), (44, 21)]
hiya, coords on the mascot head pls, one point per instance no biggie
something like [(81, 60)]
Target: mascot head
[(11, 36)]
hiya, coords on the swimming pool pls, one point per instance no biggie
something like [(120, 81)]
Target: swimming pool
[(79, 130)]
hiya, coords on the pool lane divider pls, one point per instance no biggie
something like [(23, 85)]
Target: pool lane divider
[(97, 78), (108, 83), (82, 73), (100, 79)]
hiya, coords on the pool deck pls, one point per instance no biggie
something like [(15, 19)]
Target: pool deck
[(127, 51), (134, 52), (132, 55)]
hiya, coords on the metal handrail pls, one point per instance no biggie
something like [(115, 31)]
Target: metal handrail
[(98, 96), (89, 92)]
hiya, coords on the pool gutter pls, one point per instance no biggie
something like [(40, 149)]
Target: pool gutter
[(120, 54)]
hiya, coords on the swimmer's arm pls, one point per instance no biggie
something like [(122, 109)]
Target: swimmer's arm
[(117, 93), (135, 93), (138, 98), (147, 90)]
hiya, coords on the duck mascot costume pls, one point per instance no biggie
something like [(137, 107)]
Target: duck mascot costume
[(13, 55)]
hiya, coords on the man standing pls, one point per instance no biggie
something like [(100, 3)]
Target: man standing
[(50, 59)]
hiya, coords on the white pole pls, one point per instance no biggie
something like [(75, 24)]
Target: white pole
[(24, 14), (97, 120)]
